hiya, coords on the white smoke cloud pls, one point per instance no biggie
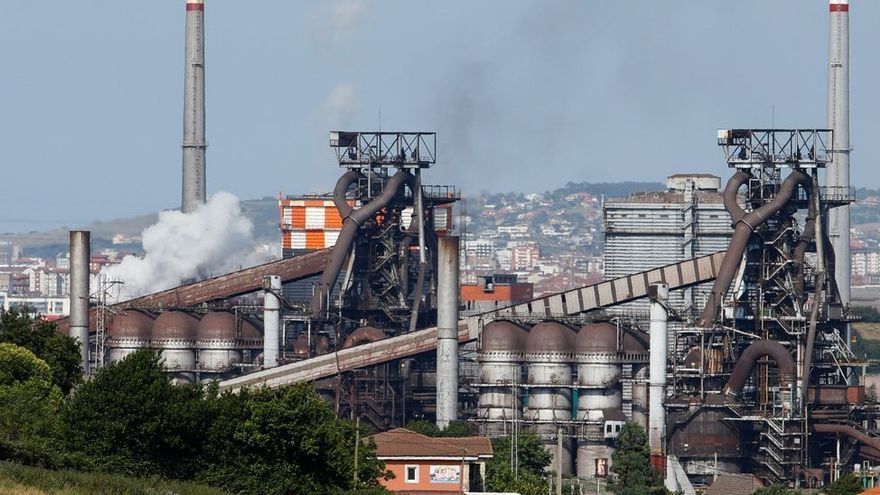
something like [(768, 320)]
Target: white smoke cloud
[(213, 240), (340, 106), (332, 25)]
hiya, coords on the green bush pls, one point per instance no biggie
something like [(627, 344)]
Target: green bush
[(60, 352), (29, 406)]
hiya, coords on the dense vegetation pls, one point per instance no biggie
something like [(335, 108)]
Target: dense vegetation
[(532, 461), (631, 464), (130, 419), (19, 479)]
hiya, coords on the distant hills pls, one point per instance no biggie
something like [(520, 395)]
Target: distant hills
[(264, 214)]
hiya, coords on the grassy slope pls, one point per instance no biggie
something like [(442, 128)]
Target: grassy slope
[(21, 480)]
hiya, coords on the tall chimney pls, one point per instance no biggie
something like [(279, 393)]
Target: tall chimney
[(659, 294), (194, 108), (837, 174), (80, 252), (447, 330), (271, 319)]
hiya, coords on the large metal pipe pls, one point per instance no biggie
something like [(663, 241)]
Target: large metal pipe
[(741, 234), (873, 442), (746, 362), (194, 143), (271, 319), (837, 173), (447, 331), (80, 253), (352, 220), (659, 312)]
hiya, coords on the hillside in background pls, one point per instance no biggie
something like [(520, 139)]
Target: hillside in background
[(264, 214)]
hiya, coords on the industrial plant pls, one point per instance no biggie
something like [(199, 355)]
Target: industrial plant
[(722, 326)]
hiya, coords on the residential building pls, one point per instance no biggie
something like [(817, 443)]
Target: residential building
[(427, 465)]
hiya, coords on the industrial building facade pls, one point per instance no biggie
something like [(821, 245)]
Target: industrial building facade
[(651, 229)]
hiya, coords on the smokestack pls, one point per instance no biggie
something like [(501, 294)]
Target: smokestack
[(837, 174), (271, 319), (80, 253), (194, 108), (659, 294), (447, 330)]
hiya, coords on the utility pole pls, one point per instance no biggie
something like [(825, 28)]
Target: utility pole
[(357, 444), (559, 460)]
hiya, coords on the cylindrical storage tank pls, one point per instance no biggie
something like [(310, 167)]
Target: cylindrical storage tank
[(599, 389), (598, 370), (130, 330), (174, 333), (250, 340), (549, 354), (215, 340), (635, 347), (502, 351)]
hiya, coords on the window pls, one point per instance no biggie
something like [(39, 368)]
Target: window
[(608, 428), (412, 473), (617, 428)]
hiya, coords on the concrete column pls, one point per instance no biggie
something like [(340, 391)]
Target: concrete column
[(271, 319), (80, 253), (659, 294), (447, 330)]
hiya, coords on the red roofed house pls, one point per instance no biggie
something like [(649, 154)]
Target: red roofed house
[(427, 465)]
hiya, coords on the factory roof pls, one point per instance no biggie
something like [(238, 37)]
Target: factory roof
[(667, 197), (401, 442), (708, 176), (734, 484)]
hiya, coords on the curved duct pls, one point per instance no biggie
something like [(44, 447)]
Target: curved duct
[(860, 436), (746, 362), (742, 231), (730, 193), (363, 335), (799, 251), (352, 220)]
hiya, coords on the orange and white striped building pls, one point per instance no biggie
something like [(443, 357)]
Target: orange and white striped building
[(308, 224)]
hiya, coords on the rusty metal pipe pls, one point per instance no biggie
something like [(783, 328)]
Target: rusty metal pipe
[(859, 436), (742, 232), (351, 223), (730, 194), (746, 362)]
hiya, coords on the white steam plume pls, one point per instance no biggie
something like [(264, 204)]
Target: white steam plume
[(213, 240), (340, 106), (333, 24)]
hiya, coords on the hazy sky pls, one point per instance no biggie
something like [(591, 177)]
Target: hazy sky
[(524, 95)]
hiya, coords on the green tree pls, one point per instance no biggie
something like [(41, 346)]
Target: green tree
[(631, 463), (29, 405), (456, 428), (130, 419), (41, 337), (848, 484), (282, 441), (424, 427), (533, 459)]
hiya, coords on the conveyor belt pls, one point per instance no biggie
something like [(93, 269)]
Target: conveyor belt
[(580, 300), (224, 286)]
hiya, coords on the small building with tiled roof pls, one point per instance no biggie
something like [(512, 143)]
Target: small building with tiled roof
[(427, 465), (734, 484)]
